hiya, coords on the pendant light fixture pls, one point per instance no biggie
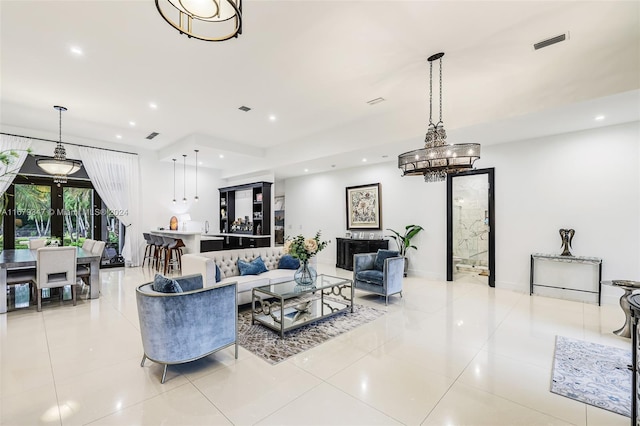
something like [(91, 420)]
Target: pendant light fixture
[(174, 181), (208, 20), (196, 198), (184, 178), (59, 166), (437, 158)]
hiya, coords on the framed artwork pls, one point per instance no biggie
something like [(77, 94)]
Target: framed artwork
[(363, 207)]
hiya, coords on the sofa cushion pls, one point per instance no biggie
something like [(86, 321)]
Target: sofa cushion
[(166, 285), (218, 274), (247, 282), (381, 256), (288, 262), (255, 267), (279, 275), (371, 276)]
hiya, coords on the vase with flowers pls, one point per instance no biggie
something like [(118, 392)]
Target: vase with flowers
[(304, 249)]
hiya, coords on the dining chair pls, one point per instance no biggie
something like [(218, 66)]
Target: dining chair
[(20, 276), (83, 272), (55, 267), (37, 243), (88, 244)]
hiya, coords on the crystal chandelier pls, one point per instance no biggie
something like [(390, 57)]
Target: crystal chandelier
[(208, 20), (59, 166), (437, 158)]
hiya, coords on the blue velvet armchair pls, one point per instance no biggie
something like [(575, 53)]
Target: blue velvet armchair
[(183, 327), (380, 273)]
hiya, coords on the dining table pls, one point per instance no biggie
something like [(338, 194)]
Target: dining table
[(25, 258)]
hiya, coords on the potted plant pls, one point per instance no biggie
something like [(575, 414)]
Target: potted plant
[(403, 241)]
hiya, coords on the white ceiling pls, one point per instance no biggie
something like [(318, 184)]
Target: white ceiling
[(314, 64)]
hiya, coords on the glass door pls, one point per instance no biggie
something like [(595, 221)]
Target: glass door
[(470, 225), (77, 215), (32, 211)]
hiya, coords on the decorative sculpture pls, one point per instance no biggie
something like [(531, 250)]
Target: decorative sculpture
[(567, 236)]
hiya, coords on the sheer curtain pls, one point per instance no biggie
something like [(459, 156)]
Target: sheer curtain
[(116, 177), (10, 164)]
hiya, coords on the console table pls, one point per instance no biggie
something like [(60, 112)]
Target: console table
[(347, 247), (594, 261)]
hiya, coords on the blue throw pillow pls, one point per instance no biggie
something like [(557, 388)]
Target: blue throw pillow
[(288, 262), (166, 285), (381, 256), (255, 267), (218, 277)]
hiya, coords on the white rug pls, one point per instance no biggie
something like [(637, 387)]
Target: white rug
[(593, 373)]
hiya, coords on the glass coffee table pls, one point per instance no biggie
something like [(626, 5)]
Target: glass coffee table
[(287, 305)]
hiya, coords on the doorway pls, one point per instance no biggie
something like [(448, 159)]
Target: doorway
[(470, 227)]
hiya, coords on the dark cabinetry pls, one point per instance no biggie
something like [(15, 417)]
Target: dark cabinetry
[(348, 247), (259, 221), (232, 242), (210, 245)]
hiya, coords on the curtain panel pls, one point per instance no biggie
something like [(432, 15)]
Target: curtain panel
[(116, 177), (13, 151)]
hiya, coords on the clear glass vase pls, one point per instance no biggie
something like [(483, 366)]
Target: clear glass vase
[(305, 274)]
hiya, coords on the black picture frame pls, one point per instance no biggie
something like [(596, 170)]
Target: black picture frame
[(364, 207)]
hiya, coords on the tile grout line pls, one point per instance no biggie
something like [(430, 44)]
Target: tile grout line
[(469, 363), (53, 377)]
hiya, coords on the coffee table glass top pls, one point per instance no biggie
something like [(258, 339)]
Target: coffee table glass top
[(288, 305), (289, 289)]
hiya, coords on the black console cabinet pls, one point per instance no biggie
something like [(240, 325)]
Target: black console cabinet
[(348, 247)]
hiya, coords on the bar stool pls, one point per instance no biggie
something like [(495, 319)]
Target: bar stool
[(173, 254), (158, 252), (149, 250)]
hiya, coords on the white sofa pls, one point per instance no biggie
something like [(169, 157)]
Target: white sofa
[(227, 261)]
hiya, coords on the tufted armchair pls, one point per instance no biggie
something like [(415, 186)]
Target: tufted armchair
[(380, 273), (183, 327)]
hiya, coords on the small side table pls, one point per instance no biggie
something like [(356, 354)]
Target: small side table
[(628, 287)]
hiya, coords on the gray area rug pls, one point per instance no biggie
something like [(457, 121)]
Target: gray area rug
[(267, 344), (593, 373)]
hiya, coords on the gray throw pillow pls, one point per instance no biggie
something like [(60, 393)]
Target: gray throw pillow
[(163, 284), (381, 256)]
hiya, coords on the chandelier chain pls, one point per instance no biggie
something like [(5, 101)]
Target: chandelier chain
[(440, 60), (430, 92)]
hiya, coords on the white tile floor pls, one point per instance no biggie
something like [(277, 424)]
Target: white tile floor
[(446, 354)]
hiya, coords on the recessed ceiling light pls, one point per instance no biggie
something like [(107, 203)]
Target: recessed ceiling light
[(153, 105), (272, 117), (221, 156), (200, 163), (600, 118), (364, 160), (132, 123), (118, 136), (76, 50), (306, 170)]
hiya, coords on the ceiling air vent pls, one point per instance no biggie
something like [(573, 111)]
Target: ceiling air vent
[(550, 41), (152, 135), (375, 101), (244, 108)]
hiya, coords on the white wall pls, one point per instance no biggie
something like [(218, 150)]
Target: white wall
[(157, 195), (588, 181)]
